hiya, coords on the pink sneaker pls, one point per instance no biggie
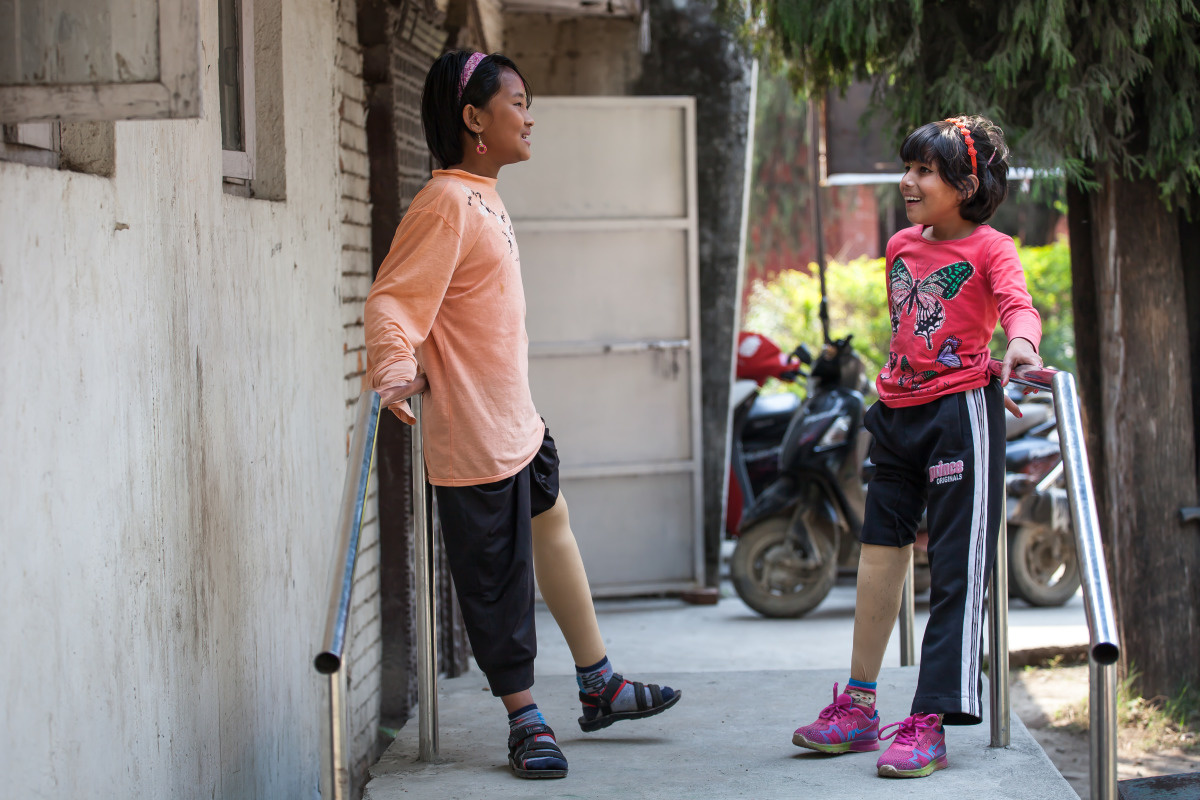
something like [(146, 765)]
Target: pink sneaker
[(840, 728), (919, 748)]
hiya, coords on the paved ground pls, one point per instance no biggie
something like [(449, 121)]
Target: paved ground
[(747, 683), (667, 635)]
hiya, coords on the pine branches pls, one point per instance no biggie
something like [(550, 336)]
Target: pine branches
[(1106, 83)]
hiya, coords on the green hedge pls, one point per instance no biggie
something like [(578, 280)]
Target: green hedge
[(786, 309)]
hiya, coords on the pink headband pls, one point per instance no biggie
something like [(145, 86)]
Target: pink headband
[(468, 71)]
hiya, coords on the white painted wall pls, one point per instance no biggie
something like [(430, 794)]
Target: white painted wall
[(172, 454)]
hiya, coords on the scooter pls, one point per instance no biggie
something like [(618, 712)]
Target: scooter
[(759, 421), (798, 528)]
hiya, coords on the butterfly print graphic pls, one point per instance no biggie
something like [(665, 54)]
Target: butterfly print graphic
[(910, 376), (475, 200), (948, 352), (926, 296)]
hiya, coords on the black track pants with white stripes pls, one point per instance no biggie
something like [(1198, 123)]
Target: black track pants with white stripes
[(947, 454)]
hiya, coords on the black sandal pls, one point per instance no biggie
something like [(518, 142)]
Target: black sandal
[(523, 745), (602, 702)]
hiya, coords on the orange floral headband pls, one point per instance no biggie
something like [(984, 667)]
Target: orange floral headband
[(961, 124)]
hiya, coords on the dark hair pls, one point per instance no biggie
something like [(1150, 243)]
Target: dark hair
[(942, 143), (441, 107)]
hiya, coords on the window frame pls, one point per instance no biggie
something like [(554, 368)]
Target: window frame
[(19, 142), (237, 166), (175, 95)]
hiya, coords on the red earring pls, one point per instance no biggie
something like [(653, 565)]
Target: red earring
[(480, 148)]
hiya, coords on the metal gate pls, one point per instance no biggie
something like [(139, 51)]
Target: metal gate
[(606, 220)]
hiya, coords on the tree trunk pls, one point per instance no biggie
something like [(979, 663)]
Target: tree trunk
[(1189, 243), (1087, 344), (1147, 437)]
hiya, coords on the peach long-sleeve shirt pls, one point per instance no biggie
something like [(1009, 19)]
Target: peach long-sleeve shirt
[(448, 301)]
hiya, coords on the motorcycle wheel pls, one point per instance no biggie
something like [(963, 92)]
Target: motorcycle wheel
[(769, 576), (1043, 568)]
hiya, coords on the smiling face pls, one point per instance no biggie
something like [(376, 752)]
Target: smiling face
[(507, 123), (928, 200)]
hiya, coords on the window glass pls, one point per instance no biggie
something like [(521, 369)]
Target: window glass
[(230, 61)]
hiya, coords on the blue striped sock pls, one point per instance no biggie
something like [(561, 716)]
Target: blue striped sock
[(593, 679), (530, 715)]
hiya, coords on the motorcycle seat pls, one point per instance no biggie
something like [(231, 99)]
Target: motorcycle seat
[(1020, 452), (783, 404)]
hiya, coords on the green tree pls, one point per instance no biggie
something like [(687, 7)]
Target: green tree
[(1109, 91)]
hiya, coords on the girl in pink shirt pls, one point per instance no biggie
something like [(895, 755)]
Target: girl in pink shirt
[(446, 318), (938, 443)]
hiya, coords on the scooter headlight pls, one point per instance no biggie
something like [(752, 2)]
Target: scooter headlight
[(836, 434)]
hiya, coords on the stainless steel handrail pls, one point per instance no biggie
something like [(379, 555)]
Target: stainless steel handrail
[(1001, 706), (329, 660), (1104, 643), (426, 591), (1104, 647), (908, 604), (1097, 595)]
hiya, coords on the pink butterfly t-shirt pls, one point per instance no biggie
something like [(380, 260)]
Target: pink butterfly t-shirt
[(945, 298)]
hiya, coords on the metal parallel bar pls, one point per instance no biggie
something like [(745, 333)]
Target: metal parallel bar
[(1097, 595), (1001, 708), (1098, 604), (354, 499), (329, 660), (1102, 744), (426, 600), (339, 737), (908, 605)]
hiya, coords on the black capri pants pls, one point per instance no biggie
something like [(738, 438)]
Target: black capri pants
[(488, 534)]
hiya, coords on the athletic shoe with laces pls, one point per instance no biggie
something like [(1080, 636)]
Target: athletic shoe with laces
[(919, 747), (841, 727)]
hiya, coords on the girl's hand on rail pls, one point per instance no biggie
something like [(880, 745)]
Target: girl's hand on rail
[(1020, 353), (391, 395)]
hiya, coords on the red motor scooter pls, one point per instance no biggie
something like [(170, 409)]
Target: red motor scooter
[(759, 421)]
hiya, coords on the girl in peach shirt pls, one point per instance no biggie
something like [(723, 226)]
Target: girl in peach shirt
[(446, 318)]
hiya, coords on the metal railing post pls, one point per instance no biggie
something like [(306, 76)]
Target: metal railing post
[(426, 599), (1097, 595), (998, 635), (339, 738), (1102, 742), (908, 605)]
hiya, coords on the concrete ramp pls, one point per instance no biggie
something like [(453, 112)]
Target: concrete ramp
[(729, 737)]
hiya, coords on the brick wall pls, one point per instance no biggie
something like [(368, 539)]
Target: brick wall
[(364, 648), (574, 56)]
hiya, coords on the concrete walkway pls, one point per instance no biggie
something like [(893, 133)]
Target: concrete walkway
[(747, 683), (729, 737)]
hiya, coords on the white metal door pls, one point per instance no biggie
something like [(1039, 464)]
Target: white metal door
[(605, 216)]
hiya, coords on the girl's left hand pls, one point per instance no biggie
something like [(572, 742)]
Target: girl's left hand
[(1020, 353)]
